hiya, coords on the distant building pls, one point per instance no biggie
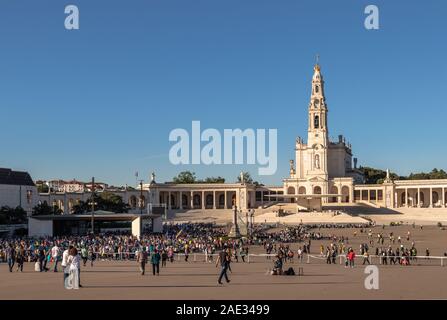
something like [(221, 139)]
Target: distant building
[(66, 186), (17, 189)]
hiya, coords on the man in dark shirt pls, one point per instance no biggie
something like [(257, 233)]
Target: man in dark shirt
[(224, 260), (10, 256), (42, 257)]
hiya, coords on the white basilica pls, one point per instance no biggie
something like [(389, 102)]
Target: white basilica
[(323, 173), (323, 167)]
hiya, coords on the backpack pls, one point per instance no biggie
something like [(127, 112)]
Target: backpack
[(289, 272)]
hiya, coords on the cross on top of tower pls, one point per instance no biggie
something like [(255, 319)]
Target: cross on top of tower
[(317, 66)]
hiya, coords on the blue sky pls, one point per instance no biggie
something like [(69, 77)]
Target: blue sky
[(101, 101)]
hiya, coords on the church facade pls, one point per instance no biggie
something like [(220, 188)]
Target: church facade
[(322, 166)]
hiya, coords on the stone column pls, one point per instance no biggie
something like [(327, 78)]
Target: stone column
[(203, 200), (351, 194), (191, 200), (169, 200), (369, 195), (396, 200), (214, 199), (419, 198), (225, 200), (180, 200), (339, 192), (443, 197), (431, 197)]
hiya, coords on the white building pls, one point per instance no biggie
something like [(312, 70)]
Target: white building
[(17, 189), (323, 172)]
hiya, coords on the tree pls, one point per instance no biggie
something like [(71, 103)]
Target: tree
[(106, 201), (213, 180), (185, 177), (43, 188), (434, 174), (12, 215), (247, 178), (376, 176), (43, 209), (112, 202)]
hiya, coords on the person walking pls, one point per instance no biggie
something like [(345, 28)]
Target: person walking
[(55, 256), (186, 253), (64, 263), (142, 260), (242, 253), (20, 258), (92, 255), (164, 258), (351, 258), (171, 254), (84, 255), (41, 258), (328, 256), (74, 268), (155, 261), (10, 256), (366, 257), (224, 260)]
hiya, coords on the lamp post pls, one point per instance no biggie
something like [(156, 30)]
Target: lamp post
[(141, 196), (93, 205)]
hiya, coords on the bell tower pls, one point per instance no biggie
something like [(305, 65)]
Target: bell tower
[(317, 133), (317, 128)]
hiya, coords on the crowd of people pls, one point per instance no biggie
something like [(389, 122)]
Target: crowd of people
[(208, 239)]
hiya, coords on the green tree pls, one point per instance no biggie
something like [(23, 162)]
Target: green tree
[(112, 202), (247, 179), (434, 174), (12, 215), (43, 209), (376, 176), (43, 188), (106, 201), (185, 177), (213, 180)]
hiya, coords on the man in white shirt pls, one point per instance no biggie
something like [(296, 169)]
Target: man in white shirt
[(65, 262), (55, 256)]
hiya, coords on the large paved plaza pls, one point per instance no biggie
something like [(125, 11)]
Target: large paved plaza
[(198, 280)]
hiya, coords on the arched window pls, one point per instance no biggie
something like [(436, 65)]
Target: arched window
[(184, 200), (317, 89), (334, 190), (345, 192), (209, 200), (316, 122), (435, 197), (197, 200), (317, 161)]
